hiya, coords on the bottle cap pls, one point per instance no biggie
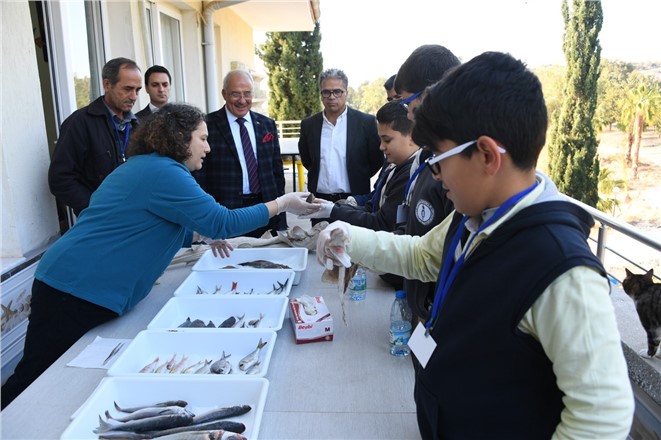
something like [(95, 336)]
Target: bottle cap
[(400, 294)]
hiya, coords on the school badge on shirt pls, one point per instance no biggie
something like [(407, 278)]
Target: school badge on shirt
[(424, 212)]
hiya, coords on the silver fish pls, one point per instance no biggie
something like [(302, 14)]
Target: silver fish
[(193, 368), (226, 425), (156, 423), (181, 403), (148, 412), (252, 357), (254, 368), (221, 413), (204, 369), (150, 368), (254, 323), (218, 434), (186, 323), (222, 366), (123, 435), (179, 365)]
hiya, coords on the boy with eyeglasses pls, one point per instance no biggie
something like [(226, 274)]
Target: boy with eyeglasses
[(521, 341), (340, 145)]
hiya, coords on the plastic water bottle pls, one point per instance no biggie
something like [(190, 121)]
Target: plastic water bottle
[(400, 325), (358, 285)]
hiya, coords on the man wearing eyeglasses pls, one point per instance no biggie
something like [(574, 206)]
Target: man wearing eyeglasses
[(244, 167), (340, 145)]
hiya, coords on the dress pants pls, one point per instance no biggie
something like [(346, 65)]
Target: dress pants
[(57, 320)]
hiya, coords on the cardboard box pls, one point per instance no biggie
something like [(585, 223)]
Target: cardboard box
[(311, 319)]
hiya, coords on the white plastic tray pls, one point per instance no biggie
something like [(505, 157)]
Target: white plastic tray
[(295, 258), (197, 345), (219, 283), (218, 309), (201, 393)]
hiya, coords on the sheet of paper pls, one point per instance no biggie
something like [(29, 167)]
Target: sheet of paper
[(421, 345), (97, 352)]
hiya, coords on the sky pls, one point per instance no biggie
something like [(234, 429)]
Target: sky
[(369, 39)]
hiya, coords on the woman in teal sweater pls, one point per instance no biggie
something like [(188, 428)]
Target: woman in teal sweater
[(141, 215)]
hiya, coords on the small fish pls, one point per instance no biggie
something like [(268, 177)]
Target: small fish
[(222, 365), (252, 357), (200, 291), (185, 324), (150, 368), (204, 369), (190, 370), (156, 423), (179, 365), (166, 403), (221, 413), (151, 411), (254, 323), (264, 264), (124, 435), (226, 425), (254, 368), (216, 434), (211, 324), (232, 321), (171, 362), (198, 323)]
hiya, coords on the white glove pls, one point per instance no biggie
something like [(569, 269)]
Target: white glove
[(332, 243), (324, 211), (296, 204), (348, 201), (221, 248)]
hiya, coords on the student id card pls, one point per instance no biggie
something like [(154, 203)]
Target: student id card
[(422, 345)]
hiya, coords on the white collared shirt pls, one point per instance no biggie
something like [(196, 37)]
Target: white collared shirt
[(236, 134), (333, 174)]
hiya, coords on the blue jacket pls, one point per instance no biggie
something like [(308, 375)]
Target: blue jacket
[(141, 215)]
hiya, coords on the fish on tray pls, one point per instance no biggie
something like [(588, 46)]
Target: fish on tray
[(233, 322), (254, 323), (258, 264), (172, 421), (222, 365), (252, 358)]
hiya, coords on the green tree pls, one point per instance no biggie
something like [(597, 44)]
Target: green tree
[(573, 162), (611, 89), (641, 106), (369, 97), (294, 62), (82, 89)]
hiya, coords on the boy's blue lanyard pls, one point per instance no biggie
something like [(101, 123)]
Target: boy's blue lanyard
[(127, 130), (376, 200), (411, 180), (449, 269)]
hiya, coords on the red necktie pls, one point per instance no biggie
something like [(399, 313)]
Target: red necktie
[(251, 163)]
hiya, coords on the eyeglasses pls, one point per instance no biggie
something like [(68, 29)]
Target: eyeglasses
[(335, 92), (238, 95), (433, 161), (405, 102)]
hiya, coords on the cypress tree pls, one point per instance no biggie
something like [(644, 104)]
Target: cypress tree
[(573, 164), (294, 62)]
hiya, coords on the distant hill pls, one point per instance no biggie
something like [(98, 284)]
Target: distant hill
[(652, 68)]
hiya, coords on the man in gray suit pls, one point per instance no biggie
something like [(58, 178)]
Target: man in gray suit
[(339, 146)]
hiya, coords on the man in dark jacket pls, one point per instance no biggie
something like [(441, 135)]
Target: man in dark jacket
[(244, 167), (93, 139), (157, 86), (339, 146)]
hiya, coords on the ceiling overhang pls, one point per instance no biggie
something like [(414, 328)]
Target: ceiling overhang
[(279, 15)]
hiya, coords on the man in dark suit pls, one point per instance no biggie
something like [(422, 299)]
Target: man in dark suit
[(157, 86), (244, 167), (339, 146)]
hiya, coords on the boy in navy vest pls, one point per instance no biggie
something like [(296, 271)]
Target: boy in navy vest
[(521, 341)]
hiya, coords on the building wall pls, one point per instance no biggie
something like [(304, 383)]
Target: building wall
[(29, 219)]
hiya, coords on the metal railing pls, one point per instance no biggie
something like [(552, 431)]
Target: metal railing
[(288, 129), (605, 222)]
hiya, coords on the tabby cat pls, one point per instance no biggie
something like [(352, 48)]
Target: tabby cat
[(647, 297)]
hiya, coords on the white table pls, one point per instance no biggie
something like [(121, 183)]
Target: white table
[(349, 388)]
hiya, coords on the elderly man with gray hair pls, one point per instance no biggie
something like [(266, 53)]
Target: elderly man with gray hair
[(340, 145), (244, 167)]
